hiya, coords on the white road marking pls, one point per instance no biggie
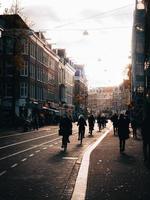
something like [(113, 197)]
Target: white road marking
[(14, 154), (14, 144), (44, 147), (15, 165), (50, 145), (24, 159), (37, 151), (31, 155), (3, 172), (70, 158), (81, 181)]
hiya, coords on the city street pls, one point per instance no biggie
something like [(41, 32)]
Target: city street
[(33, 165)]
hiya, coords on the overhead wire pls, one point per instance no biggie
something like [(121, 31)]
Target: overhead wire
[(103, 14)]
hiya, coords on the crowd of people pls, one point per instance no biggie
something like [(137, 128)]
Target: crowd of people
[(65, 127), (123, 125)]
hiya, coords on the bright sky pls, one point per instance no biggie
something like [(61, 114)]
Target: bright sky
[(104, 51)]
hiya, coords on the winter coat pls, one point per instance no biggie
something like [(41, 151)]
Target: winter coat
[(65, 126), (91, 120), (145, 130), (81, 122), (114, 120), (123, 128)]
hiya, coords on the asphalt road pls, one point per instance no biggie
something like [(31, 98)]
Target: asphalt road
[(34, 167)]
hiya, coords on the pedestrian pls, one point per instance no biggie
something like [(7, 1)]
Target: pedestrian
[(99, 122), (103, 120), (91, 122), (81, 123), (114, 120), (35, 120), (145, 131), (134, 128), (123, 131), (65, 129)]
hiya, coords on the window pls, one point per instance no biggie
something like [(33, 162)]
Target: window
[(45, 58), (32, 70), (9, 69), (53, 64), (39, 73), (39, 54), (23, 89), (44, 93), (32, 91), (8, 90), (24, 70), (9, 45), (39, 93), (33, 50), (25, 46)]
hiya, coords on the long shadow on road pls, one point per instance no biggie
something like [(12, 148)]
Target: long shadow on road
[(127, 159)]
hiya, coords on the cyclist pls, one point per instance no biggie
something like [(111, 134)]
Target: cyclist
[(65, 128), (81, 123)]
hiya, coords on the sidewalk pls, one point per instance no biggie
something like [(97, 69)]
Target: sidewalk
[(114, 176)]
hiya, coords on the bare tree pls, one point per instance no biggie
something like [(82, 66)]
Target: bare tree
[(16, 8)]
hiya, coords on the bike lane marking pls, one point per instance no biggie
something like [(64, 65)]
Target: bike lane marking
[(17, 143), (14, 154), (81, 181), (3, 172)]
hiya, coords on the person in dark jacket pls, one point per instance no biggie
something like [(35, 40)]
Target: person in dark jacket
[(134, 128), (65, 127), (123, 131), (91, 122), (81, 123), (145, 131), (99, 122), (114, 120)]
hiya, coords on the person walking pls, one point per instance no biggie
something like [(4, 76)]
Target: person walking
[(65, 129), (134, 128), (114, 120), (81, 123), (123, 131), (145, 132), (91, 122), (99, 122), (35, 120)]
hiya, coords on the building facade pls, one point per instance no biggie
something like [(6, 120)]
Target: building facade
[(80, 91), (100, 100), (138, 59), (147, 53), (32, 74)]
